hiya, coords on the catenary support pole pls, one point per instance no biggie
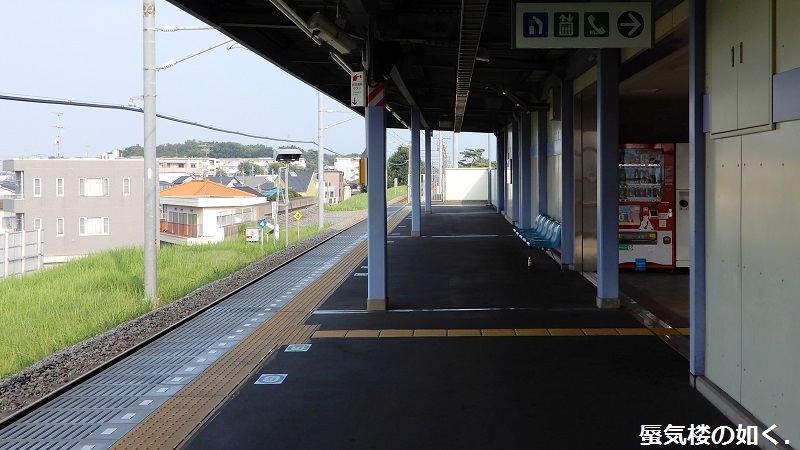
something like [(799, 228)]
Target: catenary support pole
[(320, 165), (607, 195), (151, 228)]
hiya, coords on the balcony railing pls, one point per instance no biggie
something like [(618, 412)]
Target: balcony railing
[(181, 229)]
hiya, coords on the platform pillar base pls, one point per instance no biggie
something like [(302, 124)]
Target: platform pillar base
[(415, 233), (607, 303), (377, 305)]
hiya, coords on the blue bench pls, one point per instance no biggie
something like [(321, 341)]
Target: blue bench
[(545, 234)]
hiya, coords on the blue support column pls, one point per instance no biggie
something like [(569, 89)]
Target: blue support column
[(697, 189), (607, 194), (567, 176), (524, 187), (541, 161), (501, 172), (413, 181), (377, 298), (428, 173), (516, 172)]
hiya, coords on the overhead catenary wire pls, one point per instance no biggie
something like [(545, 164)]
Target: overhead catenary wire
[(86, 104)]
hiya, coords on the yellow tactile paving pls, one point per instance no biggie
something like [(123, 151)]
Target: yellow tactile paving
[(532, 332), (329, 334), (396, 333), (665, 331), (362, 333), (566, 332), (430, 333), (463, 333), (498, 332), (502, 332), (600, 331), (634, 332)]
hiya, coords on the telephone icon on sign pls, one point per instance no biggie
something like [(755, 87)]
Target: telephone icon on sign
[(596, 24), (597, 30)]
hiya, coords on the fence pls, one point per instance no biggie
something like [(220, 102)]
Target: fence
[(21, 252)]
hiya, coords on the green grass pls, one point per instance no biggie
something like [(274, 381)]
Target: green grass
[(358, 202), (44, 312)]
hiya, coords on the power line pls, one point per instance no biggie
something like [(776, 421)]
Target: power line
[(17, 98)]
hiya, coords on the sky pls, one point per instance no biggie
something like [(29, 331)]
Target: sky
[(91, 51)]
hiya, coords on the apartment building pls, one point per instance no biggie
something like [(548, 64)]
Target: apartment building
[(349, 167), (82, 205)]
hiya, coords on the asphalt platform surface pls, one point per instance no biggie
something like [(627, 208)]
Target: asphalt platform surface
[(467, 272)]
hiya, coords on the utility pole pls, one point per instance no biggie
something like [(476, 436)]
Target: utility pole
[(320, 164), (58, 128), (150, 163)]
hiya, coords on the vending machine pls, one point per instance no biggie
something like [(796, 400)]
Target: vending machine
[(647, 206)]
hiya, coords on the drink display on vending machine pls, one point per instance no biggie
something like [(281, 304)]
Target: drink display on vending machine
[(647, 205)]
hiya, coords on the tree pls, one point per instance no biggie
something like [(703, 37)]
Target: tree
[(473, 157), (397, 167)]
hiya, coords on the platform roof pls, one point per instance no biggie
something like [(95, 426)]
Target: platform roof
[(434, 53)]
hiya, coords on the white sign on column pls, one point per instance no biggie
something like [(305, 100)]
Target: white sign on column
[(357, 89)]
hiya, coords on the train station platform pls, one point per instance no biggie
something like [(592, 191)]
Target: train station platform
[(478, 350)]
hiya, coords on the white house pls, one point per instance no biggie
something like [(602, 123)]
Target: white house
[(202, 212)]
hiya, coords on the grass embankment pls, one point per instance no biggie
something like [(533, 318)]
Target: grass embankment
[(44, 312), (358, 202)]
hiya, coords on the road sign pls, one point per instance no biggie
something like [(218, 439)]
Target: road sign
[(583, 25), (297, 216), (357, 89), (262, 223)]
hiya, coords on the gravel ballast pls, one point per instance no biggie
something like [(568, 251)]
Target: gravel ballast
[(53, 372)]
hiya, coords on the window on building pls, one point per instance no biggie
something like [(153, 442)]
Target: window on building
[(94, 187), (37, 224), (93, 226), (126, 186), (37, 187), (59, 187), (59, 226)]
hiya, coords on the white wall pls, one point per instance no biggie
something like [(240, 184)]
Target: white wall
[(464, 184), (753, 291)]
